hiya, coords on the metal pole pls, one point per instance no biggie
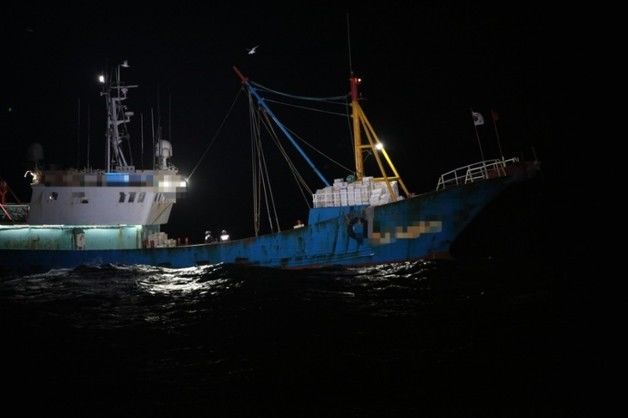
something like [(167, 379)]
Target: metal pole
[(88, 136), (152, 126), (142, 139), (78, 134), (499, 144)]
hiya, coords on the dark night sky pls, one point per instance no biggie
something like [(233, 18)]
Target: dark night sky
[(424, 65)]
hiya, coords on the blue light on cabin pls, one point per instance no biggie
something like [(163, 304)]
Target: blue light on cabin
[(116, 178)]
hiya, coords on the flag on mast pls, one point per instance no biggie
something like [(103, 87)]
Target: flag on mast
[(478, 119)]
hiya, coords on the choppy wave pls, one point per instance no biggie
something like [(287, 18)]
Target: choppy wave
[(367, 341)]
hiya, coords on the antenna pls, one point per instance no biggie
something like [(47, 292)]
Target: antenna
[(349, 45), (78, 134), (88, 136), (152, 127), (170, 116), (158, 112), (142, 139)]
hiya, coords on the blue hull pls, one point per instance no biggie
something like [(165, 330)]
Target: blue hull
[(423, 226)]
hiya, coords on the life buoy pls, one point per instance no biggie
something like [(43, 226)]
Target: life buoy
[(365, 228)]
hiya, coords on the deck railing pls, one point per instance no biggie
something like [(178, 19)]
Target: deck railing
[(472, 173)]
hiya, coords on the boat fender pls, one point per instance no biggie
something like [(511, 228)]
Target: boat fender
[(351, 231)]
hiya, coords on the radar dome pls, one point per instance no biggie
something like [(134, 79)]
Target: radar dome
[(163, 149)]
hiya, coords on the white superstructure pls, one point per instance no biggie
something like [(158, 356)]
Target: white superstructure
[(118, 195), (99, 198)]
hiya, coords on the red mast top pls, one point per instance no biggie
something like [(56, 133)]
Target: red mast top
[(354, 87)]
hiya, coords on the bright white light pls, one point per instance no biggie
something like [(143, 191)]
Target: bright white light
[(224, 237), (379, 146), (170, 184), (33, 175), (101, 79)]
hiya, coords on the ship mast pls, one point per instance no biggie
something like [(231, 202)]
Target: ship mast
[(375, 146), (117, 118)]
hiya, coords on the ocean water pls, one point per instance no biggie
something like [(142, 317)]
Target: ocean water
[(457, 338)]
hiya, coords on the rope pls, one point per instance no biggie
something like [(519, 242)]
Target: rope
[(263, 178), (320, 152), (211, 142), (266, 180), (270, 189), (308, 108), (301, 183), (255, 179), (321, 111), (315, 99)]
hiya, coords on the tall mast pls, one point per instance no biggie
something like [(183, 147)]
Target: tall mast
[(117, 118), (360, 122), (357, 133)]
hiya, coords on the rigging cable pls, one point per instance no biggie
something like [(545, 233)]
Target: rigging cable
[(266, 186), (254, 177), (211, 142), (349, 45), (261, 173), (346, 114), (332, 100), (315, 99), (261, 180), (301, 183), (265, 172), (320, 152), (307, 108)]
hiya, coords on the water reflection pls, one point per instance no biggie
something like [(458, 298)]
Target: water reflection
[(183, 281)]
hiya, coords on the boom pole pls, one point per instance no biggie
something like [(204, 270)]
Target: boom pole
[(261, 102)]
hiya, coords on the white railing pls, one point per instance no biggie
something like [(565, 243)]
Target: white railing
[(475, 172)]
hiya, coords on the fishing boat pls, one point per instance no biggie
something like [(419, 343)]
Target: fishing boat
[(113, 216)]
